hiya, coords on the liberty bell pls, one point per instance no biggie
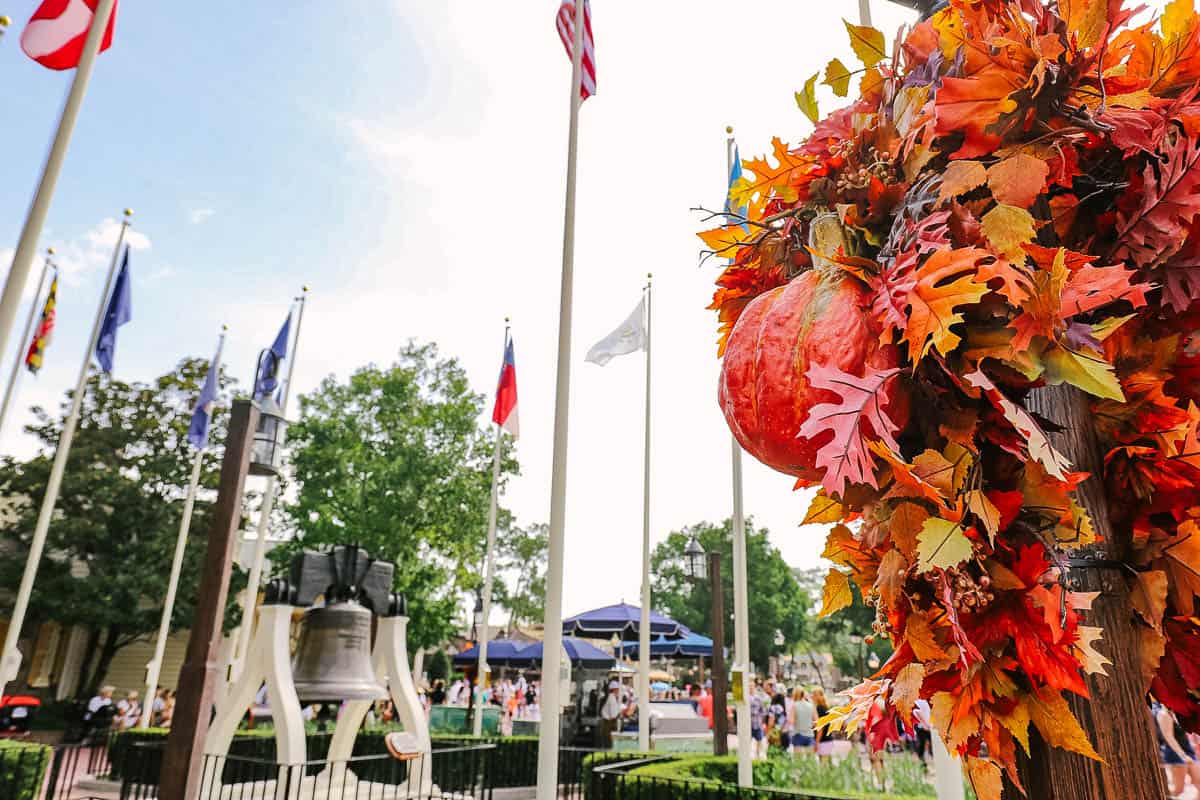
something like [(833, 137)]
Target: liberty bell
[(333, 659)]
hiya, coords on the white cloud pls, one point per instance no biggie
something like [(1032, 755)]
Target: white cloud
[(93, 251), (200, 215)]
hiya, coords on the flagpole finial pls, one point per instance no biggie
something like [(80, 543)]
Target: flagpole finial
[(5, 22), (128, 213), (304, 288), (507, 320), (224, 329), (729, 129), (49, 251)]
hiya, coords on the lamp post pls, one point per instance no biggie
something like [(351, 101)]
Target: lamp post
[(477, 624), (696, 570), (858, 640)]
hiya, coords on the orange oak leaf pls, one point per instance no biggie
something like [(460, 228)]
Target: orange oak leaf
[(944, 284), (859, 412), (972, 105), (1040, 449), (1156, 228)]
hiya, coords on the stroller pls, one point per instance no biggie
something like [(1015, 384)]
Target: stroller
[(16, 714)]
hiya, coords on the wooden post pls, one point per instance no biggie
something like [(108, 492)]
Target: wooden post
[(719, 680), (1116, 718), (183, 760)]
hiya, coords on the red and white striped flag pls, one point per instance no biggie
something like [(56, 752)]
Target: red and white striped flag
[(566, 32)]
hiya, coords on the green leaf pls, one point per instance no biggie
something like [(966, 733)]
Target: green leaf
[(867, 43), (1088, 372), (837, 77), (942, 544), (806, 99)]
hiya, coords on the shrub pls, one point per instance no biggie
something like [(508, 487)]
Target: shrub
[(22, 767)]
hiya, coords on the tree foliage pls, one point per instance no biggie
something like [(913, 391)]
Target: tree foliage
[(111, 542), (776, 601), (521, 568), (395, 460)]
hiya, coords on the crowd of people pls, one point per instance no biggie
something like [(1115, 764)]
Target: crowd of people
[(517, 698), (102, 713)]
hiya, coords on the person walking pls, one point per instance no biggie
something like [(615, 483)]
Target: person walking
[(610, 712), (758, 718), (821, 736), (802, 718), (1176, 751)]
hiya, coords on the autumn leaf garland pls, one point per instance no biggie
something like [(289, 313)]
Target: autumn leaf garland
[(1018, 192)]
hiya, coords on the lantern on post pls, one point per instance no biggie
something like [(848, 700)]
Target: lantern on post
[(266, 452), (699, 566), (694, 566)]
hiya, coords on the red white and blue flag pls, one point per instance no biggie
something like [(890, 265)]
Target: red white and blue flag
[(505, 412), (566, 32), (55, 34)]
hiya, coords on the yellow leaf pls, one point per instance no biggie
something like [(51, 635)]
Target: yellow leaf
[(724, 241), (1177, 19), (979, 505), (955, 725), (806, 99), (906, 688), (985, 778), (1087, 371), (961, 177), (942, 544), (1050, 713), (1006, 229), (837, 594), (867, 44), (870, 83), (892, 568), (837, 77), (1090, 658), (935, 298), (1017, 722), (920, 638), (1085, 18), (824, 509)]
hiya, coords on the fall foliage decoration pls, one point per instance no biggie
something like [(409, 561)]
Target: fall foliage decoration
[(1012, 202)]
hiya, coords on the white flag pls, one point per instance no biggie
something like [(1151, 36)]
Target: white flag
[(629, 336)]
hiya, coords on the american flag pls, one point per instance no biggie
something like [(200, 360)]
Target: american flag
[(566, 32)]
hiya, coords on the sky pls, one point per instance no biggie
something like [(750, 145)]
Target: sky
[(406, 161)]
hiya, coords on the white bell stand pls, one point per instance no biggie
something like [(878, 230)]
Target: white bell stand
[(269, 660)]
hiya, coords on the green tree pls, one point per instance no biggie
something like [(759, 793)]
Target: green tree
[(522, 554), (395, 460), (834, 634), (776, 601), (112, 540)]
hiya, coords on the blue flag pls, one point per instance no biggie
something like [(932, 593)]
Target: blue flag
[(735, 174), (202, 414), (120, 311), (267, 380)]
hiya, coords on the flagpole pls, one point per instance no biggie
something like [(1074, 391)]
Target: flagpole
[(18, 274), (741, 614), (644, 621), (250, 597), (154, 668), (15, 375), (10, 660), (489, 570), (551, 703), (864, 13)]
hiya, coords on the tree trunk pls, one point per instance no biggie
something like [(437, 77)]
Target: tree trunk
[(817, 668), (107, 651), (1116, 718)]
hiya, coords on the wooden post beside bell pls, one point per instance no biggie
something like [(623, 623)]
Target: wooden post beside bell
[(180, 778)]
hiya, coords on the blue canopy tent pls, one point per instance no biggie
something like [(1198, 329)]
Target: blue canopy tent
[(499, 652), (582, 654), (622, 619), (691, 646)]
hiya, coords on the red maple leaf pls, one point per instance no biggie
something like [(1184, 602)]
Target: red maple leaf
[(858, 413), (1156, 228)]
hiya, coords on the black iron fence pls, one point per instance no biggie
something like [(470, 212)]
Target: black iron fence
[(74, 762)]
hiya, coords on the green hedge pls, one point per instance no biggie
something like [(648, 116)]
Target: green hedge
[(22, 767)]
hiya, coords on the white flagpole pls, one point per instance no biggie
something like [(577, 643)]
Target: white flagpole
[(551, 702), (864, 12), (15, 375), (644, 621), (154, 668), (488, 574), (10, 661), (14, 285), (250, 596), (741, 614)]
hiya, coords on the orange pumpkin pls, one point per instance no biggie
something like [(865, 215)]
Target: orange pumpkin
[(764, 392)]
